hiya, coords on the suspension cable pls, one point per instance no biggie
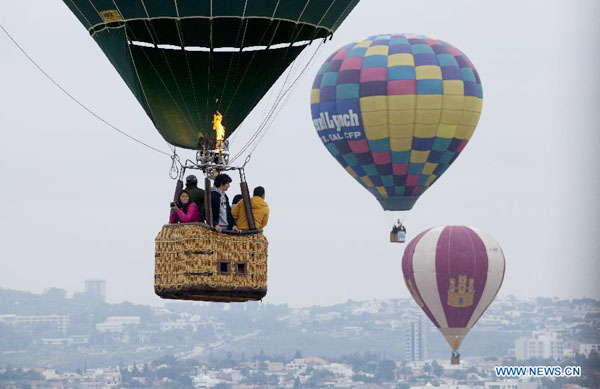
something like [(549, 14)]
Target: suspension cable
[(276, 109), (75, 99)]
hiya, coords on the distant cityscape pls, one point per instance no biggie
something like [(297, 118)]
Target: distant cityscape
[(50, 340)]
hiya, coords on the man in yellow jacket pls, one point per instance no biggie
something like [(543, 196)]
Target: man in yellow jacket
[(260, 210)]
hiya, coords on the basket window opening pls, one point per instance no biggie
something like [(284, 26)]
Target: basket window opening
[(223, 267), (241, 268)]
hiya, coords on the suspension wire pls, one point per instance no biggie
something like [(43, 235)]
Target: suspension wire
[(75, 99), (266, 124), (241, 81), (276, 109), (271, 108), (272, 119), (271, 92), (266, 120)]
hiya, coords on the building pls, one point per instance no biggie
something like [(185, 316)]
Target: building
[(511, 384), (117, 323), (543, 344), (415, 340), (54, 322), (95, 290)]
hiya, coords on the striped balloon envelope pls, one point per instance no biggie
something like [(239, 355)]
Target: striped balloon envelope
[(395, 111), (453, 273)]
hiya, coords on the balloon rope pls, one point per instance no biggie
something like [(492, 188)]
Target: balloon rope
[(287, 94), (275, 109), (77, 101)]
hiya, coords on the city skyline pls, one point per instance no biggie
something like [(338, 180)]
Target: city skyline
[(378, 342)]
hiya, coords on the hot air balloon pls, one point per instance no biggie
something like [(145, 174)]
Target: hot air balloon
[(453, 273), (395, 111), (198, 67)]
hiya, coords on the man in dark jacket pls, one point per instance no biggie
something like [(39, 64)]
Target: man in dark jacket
[(196, 194), (221, 210)]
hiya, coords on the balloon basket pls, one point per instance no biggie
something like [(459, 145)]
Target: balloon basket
[(194, 262), (455, 358), (398, 234)]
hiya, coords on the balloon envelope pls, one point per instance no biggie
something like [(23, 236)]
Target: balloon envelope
[(453, 273), (179, 57), (395, 111)]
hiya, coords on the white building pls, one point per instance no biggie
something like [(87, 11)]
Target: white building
[(511, 384), (275, 366), (321, 317), (442, 386), (117, 323), (352, 331), (543, 344), (587, 348), (415, 340), (340, 369), (296, 365), (58, 322), (179, 324)]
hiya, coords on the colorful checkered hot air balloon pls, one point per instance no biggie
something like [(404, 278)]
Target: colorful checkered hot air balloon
[(395, 111), (453, 273)]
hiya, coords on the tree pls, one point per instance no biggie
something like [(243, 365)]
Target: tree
[(437, 369), (427, 369), (386, 370), (298, 354)]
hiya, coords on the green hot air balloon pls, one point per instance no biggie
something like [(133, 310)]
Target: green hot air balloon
[(185, 59), (192, 64)]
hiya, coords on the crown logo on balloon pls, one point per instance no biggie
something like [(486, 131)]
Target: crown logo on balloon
[(414, 293), (461, 295)]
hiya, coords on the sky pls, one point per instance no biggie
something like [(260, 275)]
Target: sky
[(80, 201)]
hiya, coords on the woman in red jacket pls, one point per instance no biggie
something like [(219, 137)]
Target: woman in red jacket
[(184, 211)]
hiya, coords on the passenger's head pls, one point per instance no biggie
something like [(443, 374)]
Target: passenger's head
[(222, 181), (191, 180), (236, 199), (184, 197), (259, 191)]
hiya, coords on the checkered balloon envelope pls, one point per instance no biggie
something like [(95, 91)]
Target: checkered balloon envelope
[(395, 111)]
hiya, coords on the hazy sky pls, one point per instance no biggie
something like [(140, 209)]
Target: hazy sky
[(80, 201)]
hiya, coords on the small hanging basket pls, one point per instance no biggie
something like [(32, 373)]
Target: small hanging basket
[(194, 262)]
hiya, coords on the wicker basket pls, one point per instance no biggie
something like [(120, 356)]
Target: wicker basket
[(194, 262)]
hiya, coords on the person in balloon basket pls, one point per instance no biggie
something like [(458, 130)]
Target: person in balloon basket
[(196, 194), (184, 210), (221, 210), (236, 199), (260, 210)]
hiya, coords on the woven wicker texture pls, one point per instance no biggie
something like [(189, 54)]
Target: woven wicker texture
[(190, 256)]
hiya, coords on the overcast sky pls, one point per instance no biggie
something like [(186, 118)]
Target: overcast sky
[(80, 201)]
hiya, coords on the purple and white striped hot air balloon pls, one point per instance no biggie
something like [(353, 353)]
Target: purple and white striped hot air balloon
[(453, 273)]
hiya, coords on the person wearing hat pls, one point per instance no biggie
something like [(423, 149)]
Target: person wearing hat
[(196, 194)]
